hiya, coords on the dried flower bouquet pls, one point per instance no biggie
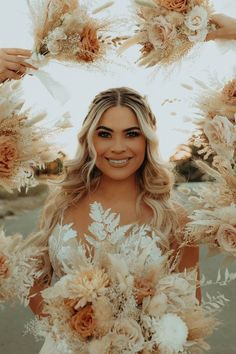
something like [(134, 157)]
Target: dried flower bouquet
[(19, 268), (67, 30), (24, 144), (119, 294), (215, 223), (168, 29)]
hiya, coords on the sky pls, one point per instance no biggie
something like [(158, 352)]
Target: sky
[(169, 100)]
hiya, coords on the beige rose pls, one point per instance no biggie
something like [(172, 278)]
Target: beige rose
[(175, 5), (143, 288), (8, 155), (83, 322), (229, 92), (3, 267), (161, 31), (89, 45), (129, 335), (226, 238)]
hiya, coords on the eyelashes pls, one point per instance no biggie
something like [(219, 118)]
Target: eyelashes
[(131, 134)]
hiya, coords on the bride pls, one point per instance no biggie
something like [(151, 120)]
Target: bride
[(117, 164)]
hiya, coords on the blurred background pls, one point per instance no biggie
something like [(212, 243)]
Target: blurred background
[(173, 106)]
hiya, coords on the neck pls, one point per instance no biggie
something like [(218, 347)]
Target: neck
[(111, 189)]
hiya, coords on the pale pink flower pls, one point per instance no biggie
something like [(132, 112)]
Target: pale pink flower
[(221, 135), (226, 238), (160, 32)]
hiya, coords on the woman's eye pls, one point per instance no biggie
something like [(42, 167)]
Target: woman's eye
[(133, 134), (104, 134)]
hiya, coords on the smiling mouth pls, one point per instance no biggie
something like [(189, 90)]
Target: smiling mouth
[(118, 161)]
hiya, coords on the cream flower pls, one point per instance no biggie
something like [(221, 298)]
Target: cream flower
[(160, 32), (157, 305), (8, 155), (199, 36), (226, 238), (100, 346), (86, 286), (221, 135), (129, 335), (197, 19), (52, 40), (170, 334), (103, 315)]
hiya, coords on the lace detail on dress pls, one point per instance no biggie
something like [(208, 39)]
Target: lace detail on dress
[(60, 243)]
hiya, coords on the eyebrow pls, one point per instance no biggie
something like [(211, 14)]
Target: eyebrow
[(110, 130)]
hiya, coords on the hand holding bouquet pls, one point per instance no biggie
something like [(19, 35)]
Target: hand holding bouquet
[(168, 29), (68, 31)]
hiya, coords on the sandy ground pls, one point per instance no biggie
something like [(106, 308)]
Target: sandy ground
[(12, 320)]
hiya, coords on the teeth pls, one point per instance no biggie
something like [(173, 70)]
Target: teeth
[(118, 161)]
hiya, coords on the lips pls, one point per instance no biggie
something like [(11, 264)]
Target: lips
[(118, 162)]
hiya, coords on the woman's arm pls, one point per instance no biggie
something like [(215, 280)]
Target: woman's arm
[(226, 27), (13, 63), (189, 255)]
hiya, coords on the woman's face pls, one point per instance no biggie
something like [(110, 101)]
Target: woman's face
[(119, 143)]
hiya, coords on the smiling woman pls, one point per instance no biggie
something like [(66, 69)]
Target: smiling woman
[(117, 164)]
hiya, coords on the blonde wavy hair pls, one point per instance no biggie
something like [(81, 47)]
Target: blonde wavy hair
[(81, 175)]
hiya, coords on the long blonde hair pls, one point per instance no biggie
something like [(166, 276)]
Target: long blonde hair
[(82, 176)]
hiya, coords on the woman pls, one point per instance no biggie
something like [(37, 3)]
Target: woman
[(117, 164)]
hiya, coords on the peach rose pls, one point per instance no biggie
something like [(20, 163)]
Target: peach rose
[(175, 5), (229, 92), (89, 45), (226, 238), (143, 288), (83, 322), (3, 266), (8, 155)]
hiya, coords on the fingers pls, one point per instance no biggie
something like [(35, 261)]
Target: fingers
[(17, 67), (18, 51), (10, 75), (19, 61)]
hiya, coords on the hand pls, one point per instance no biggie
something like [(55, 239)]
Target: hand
[(226, 27), (13, 63)]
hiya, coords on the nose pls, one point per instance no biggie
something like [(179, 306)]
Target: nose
[(118, 146)]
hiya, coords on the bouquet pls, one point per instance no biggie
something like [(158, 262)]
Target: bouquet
[(24, 145), (215, 223), (119, 294), (68, 31), (19, 268), (168, 29)]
